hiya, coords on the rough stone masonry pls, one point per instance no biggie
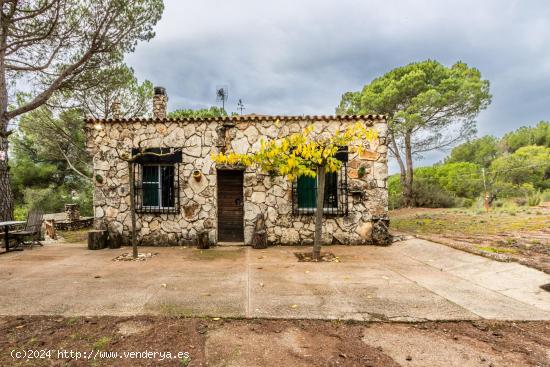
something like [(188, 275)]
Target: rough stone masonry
[(366, 221)]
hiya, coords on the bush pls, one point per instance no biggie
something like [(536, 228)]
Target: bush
[(425, 194), (464, 202), (431, 195), (20, 213), (534, 199), (395, 192), (462, 179), (52, 199), (529, 165)]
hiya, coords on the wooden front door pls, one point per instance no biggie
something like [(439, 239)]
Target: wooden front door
[(230, 206)]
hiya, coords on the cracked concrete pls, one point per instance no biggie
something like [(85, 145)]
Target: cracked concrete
[(412, 280)]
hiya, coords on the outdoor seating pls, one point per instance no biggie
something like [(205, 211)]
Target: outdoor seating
[(31, 231)]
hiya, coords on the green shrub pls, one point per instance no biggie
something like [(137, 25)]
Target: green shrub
[(431, 195), (20, 213), (462, 179), (425, 194), (546, 195), (395, 192), (534, 199), (464, 202)]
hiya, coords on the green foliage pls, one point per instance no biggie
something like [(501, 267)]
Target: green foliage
[(422, 100), (527, 165), (41, 175), (428, 106), (524, 136), (20, 213), (48, 199), (462, 179), (101, 343), (59, 48), (426, 193), (361, 171), (395, 192), (484, 150), (481, 151), (26, 173), (213, 111), (118, 83), (45, 137), (534, 199), (521, 174)]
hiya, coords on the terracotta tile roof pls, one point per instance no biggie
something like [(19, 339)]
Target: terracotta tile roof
[(245, 118)]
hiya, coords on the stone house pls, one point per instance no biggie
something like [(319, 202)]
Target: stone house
[(181, 192)]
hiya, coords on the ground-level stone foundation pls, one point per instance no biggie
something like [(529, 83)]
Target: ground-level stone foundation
[(109, 140)]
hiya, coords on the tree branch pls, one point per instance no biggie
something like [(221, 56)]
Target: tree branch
[(71, 165)]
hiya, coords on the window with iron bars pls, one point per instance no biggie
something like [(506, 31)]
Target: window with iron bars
[(156, 184), (335, 202)]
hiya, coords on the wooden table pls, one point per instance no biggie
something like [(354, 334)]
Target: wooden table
[(7, 226)]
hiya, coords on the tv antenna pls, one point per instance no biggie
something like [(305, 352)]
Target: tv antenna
[(240, 106), (221, 95)]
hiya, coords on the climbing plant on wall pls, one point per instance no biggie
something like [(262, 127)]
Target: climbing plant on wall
[(309, 154)]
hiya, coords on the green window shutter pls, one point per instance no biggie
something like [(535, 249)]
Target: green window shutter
[(331, 190), (150, 182), (306, 191), (168, 193)]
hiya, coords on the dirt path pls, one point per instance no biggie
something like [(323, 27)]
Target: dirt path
[(521, 235), (269, 343)]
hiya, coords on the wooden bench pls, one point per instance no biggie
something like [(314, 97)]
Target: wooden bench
[(32, 230)]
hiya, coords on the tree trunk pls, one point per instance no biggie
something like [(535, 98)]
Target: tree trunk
[(402, 169), (6, 196), (96, 239), (132, 209), (407, 176), (319, 213)]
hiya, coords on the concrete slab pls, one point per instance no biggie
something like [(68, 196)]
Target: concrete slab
[(513, 280), (412, 280)]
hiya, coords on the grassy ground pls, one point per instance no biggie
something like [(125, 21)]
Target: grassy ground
[(520, 233), (80, 235)]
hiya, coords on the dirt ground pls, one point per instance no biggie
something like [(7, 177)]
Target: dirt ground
[(518, 234), (257, 342)]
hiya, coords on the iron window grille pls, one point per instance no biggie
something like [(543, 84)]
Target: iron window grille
[(335, 202), (156, 183)]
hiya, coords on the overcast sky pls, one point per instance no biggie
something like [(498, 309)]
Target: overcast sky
[(298, 57)]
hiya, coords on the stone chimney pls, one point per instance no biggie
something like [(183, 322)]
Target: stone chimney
[(160, 100), (72, 212), (115, 108)]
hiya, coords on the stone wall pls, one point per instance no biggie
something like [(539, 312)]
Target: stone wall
[(107, 140)]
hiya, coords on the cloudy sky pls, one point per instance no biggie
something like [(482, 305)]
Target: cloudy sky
[(299, 56)]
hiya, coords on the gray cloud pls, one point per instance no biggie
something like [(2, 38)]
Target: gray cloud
[(298, 57)]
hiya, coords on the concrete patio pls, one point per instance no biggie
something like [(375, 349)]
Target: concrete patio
[(409, 281)]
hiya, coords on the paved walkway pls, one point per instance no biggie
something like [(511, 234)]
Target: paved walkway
[(411, 280)]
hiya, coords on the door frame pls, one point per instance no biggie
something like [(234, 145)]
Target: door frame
[(218, 204)]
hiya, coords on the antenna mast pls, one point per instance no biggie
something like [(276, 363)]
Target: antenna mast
[(240, 106), (221, 95)]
